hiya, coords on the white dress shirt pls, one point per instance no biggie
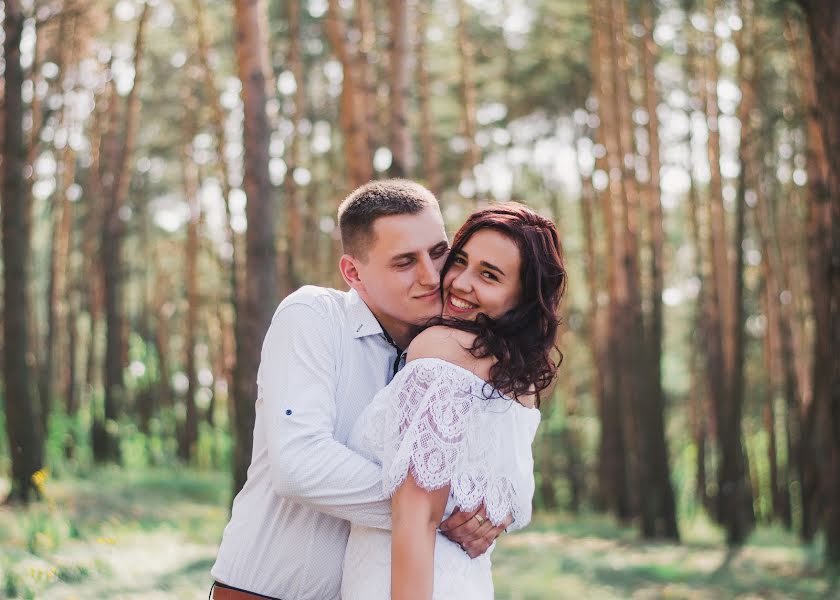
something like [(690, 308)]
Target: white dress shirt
[(323, 359)]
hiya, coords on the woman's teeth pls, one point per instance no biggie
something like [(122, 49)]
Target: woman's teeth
[(461, 304)]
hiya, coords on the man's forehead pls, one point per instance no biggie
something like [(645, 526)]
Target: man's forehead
[(399, 234)]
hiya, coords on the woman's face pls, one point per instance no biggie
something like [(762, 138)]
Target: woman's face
[(484, 277)]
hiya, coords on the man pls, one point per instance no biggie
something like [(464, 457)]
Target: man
[(325, 356)]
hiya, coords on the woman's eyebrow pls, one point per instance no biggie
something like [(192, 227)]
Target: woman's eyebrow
[(491, 266)]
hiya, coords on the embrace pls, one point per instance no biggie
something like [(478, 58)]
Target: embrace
[(394, 422)]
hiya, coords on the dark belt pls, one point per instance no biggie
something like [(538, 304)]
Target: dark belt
[(220, 591)]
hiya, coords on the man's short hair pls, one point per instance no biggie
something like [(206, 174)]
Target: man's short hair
[(373, 200)]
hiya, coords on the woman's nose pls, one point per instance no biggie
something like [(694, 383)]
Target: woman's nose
[(462, 282)]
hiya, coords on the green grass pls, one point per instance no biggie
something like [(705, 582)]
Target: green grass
[(153, 533)]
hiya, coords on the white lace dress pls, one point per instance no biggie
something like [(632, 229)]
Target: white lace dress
[(435, 419)]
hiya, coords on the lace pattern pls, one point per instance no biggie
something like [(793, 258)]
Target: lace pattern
[(441, 427)]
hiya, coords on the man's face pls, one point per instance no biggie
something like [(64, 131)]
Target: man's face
[(400, 277)]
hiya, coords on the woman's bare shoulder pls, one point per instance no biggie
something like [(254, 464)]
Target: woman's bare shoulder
[(449, 344)]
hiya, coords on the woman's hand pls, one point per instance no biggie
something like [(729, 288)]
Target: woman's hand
[(472, 530)]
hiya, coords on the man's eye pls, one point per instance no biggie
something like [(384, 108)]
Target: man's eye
[(439, 253), (404, 264)]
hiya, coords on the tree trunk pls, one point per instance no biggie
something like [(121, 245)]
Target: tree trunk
[(259, 298), (188, 434), (724, 318), (353, 114), (294, 198), (614, 461), (431, 160), (468, 92), (402, 152), (63, 219), (823, 18), (25, 443), (663, 517), (117, 183), (370, 63)]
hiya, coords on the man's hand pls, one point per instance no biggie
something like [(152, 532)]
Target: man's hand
[(473, 531)]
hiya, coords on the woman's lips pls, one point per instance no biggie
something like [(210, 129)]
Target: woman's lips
[(462, 305)]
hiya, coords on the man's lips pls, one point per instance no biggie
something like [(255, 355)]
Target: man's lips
[(429, 296)]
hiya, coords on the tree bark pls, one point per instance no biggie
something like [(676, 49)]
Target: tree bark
[(402, 151), (823, 18), (353, 114), (614, 467), (63, 218), (25, 443), (430, 158), (117, 180), (294, 198), (188, 434), (260, 293), (468, 92)]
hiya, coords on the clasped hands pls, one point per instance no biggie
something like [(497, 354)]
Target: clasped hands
[(472, 530)]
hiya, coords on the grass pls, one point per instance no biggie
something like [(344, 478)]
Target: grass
[(153, 533)]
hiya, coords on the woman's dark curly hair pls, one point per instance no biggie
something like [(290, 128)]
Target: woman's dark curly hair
[(523, 339)]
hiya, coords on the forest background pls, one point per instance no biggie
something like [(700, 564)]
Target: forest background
[(171, 170)]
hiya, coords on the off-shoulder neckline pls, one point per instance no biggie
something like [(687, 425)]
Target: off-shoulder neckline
[(475, 376)]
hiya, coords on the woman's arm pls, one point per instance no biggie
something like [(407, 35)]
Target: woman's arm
[(416, 515)]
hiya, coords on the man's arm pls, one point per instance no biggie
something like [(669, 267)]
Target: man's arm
[(298, 381)]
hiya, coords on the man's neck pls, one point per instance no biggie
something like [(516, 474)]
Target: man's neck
[(399, 333)]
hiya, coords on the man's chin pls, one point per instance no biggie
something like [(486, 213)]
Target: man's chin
[(424, 319)]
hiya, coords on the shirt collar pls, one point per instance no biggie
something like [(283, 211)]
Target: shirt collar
[(362, 321)]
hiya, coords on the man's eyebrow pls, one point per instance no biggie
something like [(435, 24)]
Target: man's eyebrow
[(404, 255)]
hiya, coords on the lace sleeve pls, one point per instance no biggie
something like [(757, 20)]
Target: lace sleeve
[(441, 429)]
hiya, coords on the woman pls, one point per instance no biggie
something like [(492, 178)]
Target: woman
[(454, 428)]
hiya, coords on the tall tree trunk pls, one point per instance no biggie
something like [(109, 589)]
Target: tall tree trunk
[(468, 92), (823, 18), (63, 219), (654, 493), (663, 507), (113, 230), (353, 114), (294, 198), (402, 152), (188, 434), (25, 443), (234, 327), (428, 147), (724, 319), (614, 461), (260, 293), (369, 62), (615, 464)]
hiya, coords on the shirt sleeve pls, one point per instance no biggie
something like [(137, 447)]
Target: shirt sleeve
[(298, 381)]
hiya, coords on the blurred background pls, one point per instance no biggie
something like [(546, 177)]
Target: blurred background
[(172, 168)]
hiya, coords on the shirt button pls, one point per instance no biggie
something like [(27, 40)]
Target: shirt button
[(288, 411)]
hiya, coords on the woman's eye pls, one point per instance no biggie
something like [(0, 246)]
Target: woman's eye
[(490, 275), (459, 260)]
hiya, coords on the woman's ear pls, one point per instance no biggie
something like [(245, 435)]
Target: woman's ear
[(350, 272)]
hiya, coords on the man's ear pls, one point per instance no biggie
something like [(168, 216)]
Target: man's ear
[(350, 273)]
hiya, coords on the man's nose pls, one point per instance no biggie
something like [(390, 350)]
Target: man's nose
[(428, 274)]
